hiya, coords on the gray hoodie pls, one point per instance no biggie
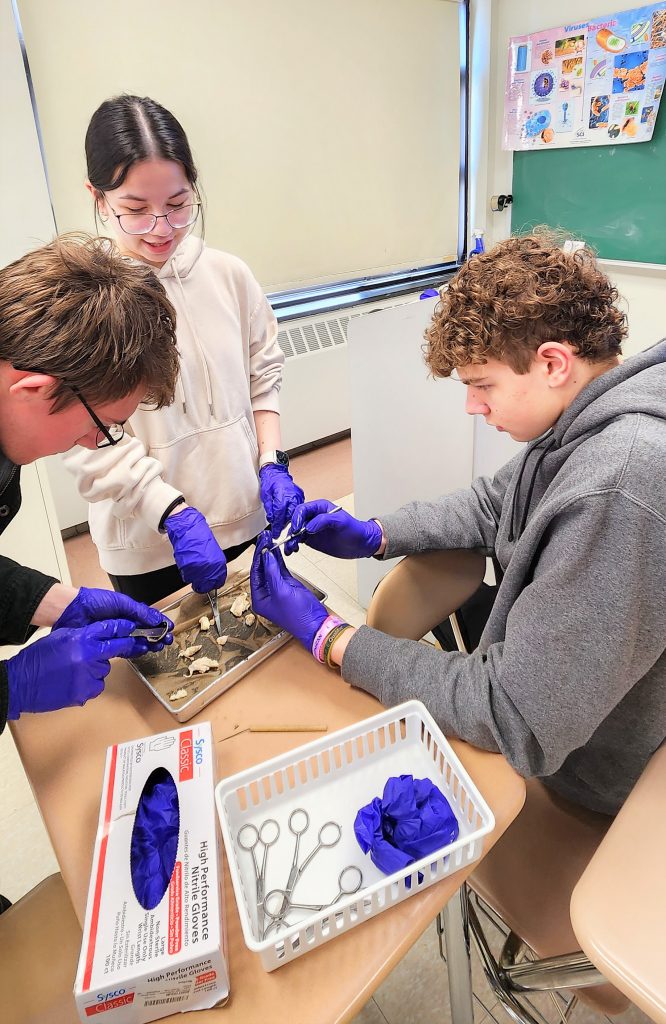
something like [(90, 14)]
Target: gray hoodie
[(569, 678)]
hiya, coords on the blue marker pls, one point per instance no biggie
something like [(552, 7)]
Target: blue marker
[(478, 246)]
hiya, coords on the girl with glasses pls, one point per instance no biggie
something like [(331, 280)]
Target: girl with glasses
[(190, 486)]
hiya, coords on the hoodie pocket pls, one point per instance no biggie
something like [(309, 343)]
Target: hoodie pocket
[(215, 468)]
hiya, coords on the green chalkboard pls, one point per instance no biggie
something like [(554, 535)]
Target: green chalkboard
[(614, 197)]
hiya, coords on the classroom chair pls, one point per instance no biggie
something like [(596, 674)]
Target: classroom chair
[(40, 939), (524, 886)]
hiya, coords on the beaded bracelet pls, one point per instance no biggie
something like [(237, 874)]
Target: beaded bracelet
[(321, 634), (335, 633)]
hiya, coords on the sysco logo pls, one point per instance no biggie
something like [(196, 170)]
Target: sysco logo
[(103, 996)]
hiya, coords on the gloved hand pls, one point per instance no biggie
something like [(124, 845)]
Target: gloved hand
[(279, 597), (199, 557), (279, 495), (98, 605), (68, 666), (337, 533)]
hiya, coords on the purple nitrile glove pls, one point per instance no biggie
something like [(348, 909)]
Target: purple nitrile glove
[(334, 533), (279, 597), (68, 666), (279, 495), (199, 557), (92, 605)]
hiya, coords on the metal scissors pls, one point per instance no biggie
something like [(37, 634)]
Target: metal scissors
[(248, 839), (215, 608), (299, 533), (329, 836), (276, 897), (153, 634)]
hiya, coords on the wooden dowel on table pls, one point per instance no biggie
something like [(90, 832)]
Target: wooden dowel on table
[(276, 728)]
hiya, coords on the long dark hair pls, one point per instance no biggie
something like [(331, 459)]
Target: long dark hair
[(126, 129)]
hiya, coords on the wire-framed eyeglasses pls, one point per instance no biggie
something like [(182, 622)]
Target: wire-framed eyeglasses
[(107, 433), (144, 223)]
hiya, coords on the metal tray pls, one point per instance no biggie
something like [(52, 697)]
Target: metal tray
[(225, 680)]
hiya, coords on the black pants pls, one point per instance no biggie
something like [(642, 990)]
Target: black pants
[(151, 587)]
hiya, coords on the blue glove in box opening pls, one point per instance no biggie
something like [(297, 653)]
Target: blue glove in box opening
[(153, 936)]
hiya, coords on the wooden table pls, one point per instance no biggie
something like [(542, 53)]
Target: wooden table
[(63, 754)]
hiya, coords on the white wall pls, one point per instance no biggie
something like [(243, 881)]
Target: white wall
[(27, 220), (411, 437), (25, 213), (641, 288)]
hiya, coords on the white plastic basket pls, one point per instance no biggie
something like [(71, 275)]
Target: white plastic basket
[(332, 778)]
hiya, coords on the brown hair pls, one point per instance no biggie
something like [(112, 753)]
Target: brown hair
[(97, 322), (505, 303)]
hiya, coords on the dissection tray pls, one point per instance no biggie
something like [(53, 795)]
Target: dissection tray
[(201, 664)]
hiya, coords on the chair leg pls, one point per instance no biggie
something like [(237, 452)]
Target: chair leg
[(455, 626), (516, 1010), (458, 963)]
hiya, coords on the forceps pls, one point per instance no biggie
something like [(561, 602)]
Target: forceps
[(347, 888), (248, 839), (153, 634), (215, 608), (329, 836), (299, 533)]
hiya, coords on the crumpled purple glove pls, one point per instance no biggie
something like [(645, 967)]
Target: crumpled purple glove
[(199, 557), (279, 495), (92, 605), (412, 819), (279, 597), (337, 533), (68, 666)]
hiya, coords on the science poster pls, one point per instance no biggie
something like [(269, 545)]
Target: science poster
[(591, 83)]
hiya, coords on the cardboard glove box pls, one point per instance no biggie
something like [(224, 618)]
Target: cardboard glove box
[(137, 964)]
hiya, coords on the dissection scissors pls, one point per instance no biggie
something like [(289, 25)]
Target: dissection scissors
[(215, 608)]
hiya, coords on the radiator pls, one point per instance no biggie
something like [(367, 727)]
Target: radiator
[(315, 398)]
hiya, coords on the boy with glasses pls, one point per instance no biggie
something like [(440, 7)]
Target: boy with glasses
[(84, 337)]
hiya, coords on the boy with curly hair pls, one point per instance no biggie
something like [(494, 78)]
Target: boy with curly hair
[(568, 678)]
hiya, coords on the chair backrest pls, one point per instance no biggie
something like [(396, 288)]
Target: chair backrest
[(40, 939), (619, 903), (423, 590)]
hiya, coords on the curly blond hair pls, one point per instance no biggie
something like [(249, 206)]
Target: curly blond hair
[(505, 303)]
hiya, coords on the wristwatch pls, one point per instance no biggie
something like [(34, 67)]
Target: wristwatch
[(276, 457)]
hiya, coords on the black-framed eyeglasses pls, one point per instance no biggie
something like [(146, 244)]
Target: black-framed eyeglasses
[(111, 433), (107, 434), (143, 223)]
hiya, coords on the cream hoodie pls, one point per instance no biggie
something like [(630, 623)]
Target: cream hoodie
[(204, 446)]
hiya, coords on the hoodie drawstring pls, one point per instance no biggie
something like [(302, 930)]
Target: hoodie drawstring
[(513, 533), (202, 358)]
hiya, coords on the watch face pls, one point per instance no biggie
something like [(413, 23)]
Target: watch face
[(282, 458)]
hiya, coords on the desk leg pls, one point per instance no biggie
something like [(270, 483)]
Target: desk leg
[(458, 963)]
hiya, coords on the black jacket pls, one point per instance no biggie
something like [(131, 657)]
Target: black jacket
[(21, 589)]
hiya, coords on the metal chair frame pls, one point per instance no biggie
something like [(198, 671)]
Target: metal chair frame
[(518, 971)]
